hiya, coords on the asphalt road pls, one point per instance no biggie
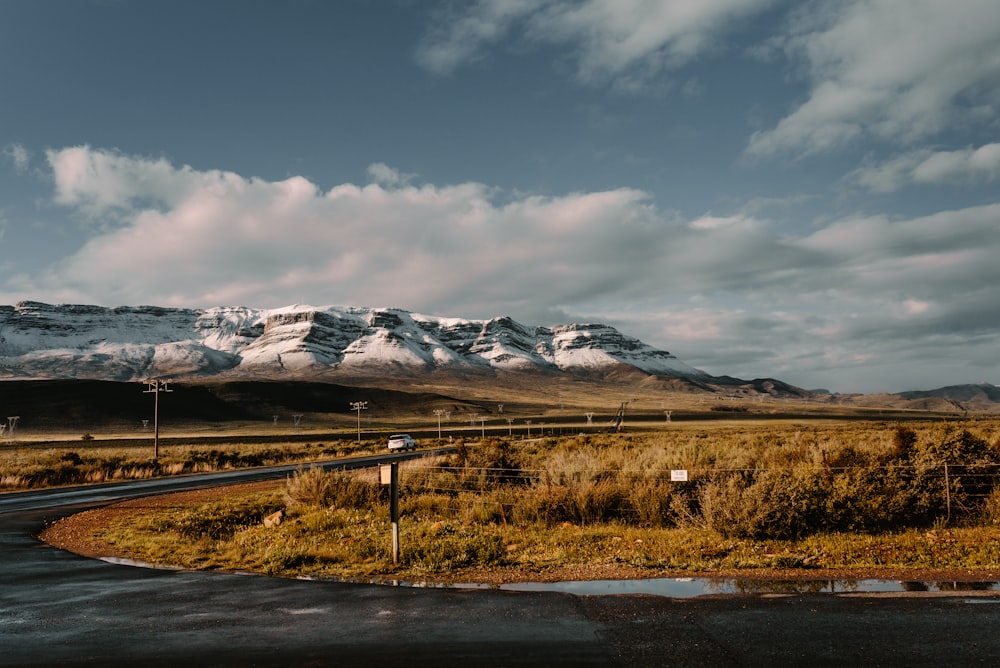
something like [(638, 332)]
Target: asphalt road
[(60, 609)]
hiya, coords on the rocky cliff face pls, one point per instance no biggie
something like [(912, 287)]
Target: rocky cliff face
[(133, 343)]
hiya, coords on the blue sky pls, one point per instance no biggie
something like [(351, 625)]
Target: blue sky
[(804, 190)]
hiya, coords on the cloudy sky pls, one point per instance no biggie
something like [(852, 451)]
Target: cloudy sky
[(801, 189)]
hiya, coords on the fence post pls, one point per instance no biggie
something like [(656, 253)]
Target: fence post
[(389, 475), (947, 492), (394, 512)]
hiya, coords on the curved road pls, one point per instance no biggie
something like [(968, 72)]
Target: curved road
[(57, 608)]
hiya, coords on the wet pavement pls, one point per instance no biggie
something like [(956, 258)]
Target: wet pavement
[(57, 608)]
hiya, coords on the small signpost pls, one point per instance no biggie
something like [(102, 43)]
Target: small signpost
[(678, 475), (389, 475)]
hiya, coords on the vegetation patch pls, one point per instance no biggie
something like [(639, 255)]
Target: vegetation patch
[(870, 496), (32, 468)]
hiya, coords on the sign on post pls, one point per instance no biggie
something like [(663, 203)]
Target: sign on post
[(389, 475), (678, 475)]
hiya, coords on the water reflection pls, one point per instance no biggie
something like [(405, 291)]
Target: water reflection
[(691, 587)]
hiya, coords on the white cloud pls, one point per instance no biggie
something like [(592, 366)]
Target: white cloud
[(710, 222), (20, 156), (462, 36), (622, 40), (384, 175), (967, 166), (719, 288), (191, 237), (893, 70), (100, 183)]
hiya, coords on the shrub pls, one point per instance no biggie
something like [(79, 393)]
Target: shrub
[(497, 462), (315, 487), (309, 487), (776, 504), (651, 502), (903, 442), (873, 498)]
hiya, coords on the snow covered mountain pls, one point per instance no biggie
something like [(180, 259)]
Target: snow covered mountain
[(134, 343)]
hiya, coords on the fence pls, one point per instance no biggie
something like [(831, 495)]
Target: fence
[(750, 502)]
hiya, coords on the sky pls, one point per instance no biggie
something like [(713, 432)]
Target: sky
[(807, 190)]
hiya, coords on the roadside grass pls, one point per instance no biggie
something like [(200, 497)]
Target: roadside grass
[(32, 468), (356, 544), (851, 497)]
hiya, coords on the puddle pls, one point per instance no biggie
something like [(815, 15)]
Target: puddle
[(692, 587), (670, 587)]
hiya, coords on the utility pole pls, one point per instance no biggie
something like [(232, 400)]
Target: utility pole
[(12, 425), (359, 406), (439, 412), (154, 387)]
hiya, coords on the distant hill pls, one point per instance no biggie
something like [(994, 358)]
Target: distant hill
[(979, 393), (90, 404)]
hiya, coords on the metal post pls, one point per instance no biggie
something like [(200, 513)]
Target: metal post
[(394, 511)]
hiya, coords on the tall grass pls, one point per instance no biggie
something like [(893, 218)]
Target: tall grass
[(755, 483), (28, 468), (762, 496)]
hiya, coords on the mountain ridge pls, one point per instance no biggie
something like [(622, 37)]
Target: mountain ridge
[(39, 340), (365, 346)]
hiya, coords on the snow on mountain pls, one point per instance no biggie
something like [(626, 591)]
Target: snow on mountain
[(599, 346), (132, 343)]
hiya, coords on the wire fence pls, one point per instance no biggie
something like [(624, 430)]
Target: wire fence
[(888, 493)]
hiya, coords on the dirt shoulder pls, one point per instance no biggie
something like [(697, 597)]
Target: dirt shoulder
[(76, 534)]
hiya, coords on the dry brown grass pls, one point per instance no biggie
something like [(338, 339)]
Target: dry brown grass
[(587, 504)]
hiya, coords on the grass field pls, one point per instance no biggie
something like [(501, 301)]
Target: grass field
[(816, 493)]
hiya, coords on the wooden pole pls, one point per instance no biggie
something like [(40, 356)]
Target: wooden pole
[(394, 511)]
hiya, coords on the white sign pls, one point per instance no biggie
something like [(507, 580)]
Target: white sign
[(678, 475), (385, 474)]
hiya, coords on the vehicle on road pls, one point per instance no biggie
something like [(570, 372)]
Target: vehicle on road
[(401, 442)]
